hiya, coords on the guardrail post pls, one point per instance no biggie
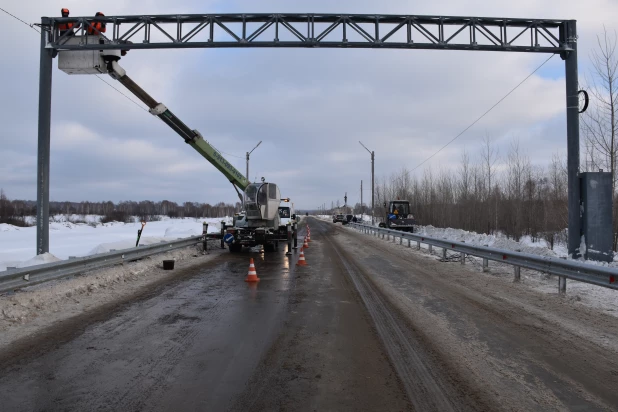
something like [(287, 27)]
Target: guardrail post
[(485, 265), (401, 240), (222, 234), (409, 243), (443, 253), (517, 274), (562, 284), (462, 258), (418, 244), (430, 249)]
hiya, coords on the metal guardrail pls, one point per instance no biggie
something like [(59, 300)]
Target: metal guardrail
[(33, 275), (582, 272)]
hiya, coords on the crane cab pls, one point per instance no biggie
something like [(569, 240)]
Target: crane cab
[(262, 202)]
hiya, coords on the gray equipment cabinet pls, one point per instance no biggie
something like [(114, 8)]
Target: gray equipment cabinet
[(596, 191)]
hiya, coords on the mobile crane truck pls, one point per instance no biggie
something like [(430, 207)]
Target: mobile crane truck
[(261, 225)]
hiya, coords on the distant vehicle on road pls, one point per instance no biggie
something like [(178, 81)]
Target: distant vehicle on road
[(338, 218)]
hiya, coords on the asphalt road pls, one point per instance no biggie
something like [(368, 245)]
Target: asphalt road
[(363, 327)]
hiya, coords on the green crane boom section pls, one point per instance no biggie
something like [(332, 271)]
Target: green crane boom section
[(192, 137)]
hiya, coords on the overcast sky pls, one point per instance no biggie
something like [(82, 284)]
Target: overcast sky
[(310, 107)]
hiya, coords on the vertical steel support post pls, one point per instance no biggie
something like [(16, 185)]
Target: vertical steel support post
[(430, 249), (289, 252), (572, 101), (43, 153), (562, 280), (517, 274), (462, 258), (295, 235), (443, 252), (222, 234), (485, 265), (418, 245), (205, 234)]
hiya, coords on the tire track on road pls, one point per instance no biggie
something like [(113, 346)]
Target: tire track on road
[(425, 389)]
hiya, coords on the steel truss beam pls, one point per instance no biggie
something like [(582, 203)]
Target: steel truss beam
[(321, 30)]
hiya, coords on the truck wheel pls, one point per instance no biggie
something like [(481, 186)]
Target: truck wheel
[(381, 224)]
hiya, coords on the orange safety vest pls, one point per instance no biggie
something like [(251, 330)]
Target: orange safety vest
[(63, 27), (98, 26)]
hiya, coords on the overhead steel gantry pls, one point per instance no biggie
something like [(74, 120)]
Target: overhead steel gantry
[(326, 30), (315, 31)]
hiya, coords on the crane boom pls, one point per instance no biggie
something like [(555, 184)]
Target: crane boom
[(191, 137)]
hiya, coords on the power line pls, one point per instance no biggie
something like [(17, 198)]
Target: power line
[(17, 18), (110, 85), (229, 154), (484, 114)]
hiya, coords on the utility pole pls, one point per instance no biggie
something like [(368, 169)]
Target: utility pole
[(248, 154), (373, 157), (345, 202), (361, 201)]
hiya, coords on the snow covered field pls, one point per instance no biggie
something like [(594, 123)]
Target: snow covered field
[(17, 244)]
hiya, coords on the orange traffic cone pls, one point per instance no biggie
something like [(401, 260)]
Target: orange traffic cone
[(305, 244), (309, 237), (301, 259), (252, 275)]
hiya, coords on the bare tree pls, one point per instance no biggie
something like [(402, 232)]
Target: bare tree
[(599, 121), (489, 158)]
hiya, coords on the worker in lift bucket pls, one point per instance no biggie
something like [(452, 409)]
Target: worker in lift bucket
[(67, 28), (97, 27)]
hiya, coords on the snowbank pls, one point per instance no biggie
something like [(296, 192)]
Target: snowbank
[(526, 244), (39, 260), (66, 238)]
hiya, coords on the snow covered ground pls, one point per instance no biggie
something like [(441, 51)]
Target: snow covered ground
[(17, 244)]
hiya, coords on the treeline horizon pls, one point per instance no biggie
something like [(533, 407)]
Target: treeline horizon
[(15, 211)]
